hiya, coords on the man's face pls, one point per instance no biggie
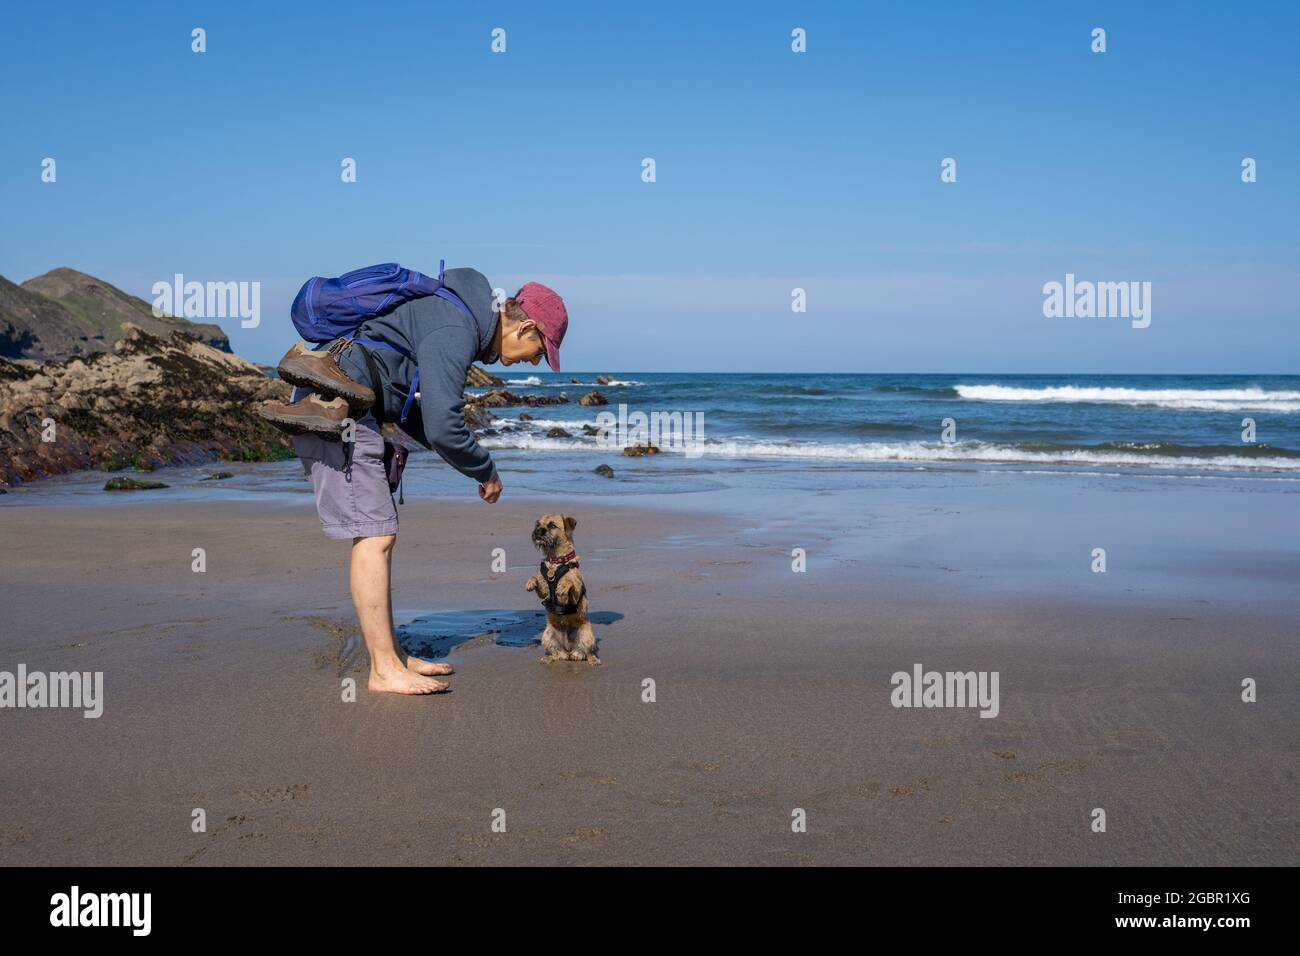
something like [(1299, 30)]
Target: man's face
[(523, 344)]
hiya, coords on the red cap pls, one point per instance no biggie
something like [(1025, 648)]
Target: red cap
[(546, 308)]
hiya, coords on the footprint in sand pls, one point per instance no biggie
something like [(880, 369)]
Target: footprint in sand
[(13, 836), (295, 791)]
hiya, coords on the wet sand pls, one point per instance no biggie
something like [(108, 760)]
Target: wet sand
[(772, 692)]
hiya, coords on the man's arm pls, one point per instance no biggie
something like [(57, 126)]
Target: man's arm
[(444, 356)]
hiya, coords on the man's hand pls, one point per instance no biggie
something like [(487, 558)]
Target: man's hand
[(490, 491)]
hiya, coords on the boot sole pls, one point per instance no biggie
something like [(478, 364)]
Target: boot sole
[(296, 374), (297, 424)]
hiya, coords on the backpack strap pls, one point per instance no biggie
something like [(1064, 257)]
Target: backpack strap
[(410, 396)]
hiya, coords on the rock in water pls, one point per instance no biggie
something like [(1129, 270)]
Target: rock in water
[(152, 400), (502, 397), (482, 378), (558, 433), (593, 398), (605, 470), (130, 484), (476, 417), (218, 476), (604, 379), (636, 451)]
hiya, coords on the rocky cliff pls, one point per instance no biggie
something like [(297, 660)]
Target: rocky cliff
[(66, 313), (150, 401)]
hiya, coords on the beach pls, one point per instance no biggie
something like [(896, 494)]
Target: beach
[(222, 689), (931, 467)]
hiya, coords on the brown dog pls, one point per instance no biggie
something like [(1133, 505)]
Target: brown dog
[(568, 635)]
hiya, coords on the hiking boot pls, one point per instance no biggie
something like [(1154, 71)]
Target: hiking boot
[(320, 372), (310, 414)]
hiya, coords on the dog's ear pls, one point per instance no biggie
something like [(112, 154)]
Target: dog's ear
[(570, 524)]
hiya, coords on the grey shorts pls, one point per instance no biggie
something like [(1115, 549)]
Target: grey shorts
[(352, 496)]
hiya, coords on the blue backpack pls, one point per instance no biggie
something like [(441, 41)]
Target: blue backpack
[(329, 309)]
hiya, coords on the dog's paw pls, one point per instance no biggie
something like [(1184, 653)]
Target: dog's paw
[(531, 584), (593, 660)]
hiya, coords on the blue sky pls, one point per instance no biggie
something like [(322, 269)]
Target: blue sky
[(775, 170)]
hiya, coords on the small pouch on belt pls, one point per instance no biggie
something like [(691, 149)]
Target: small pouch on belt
[(394, 464)]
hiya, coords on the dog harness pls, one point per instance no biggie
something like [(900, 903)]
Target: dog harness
[(552, 580)]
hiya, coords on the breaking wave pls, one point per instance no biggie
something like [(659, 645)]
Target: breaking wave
[(1154, 454), (1187, 399)]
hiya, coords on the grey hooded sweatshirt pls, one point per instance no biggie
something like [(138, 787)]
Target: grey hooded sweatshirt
[(445, 343)]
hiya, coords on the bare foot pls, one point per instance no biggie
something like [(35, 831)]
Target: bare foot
[(403, 681), (428, 668)]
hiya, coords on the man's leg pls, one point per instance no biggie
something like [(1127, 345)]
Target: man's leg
[(427, 668), (372, 597)]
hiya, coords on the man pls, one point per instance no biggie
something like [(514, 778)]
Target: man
[(433, 338)]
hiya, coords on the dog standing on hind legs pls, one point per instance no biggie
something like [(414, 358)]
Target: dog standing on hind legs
[(568, 635)]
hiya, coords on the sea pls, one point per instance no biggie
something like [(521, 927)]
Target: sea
[(1181, 424), (823, 432)]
